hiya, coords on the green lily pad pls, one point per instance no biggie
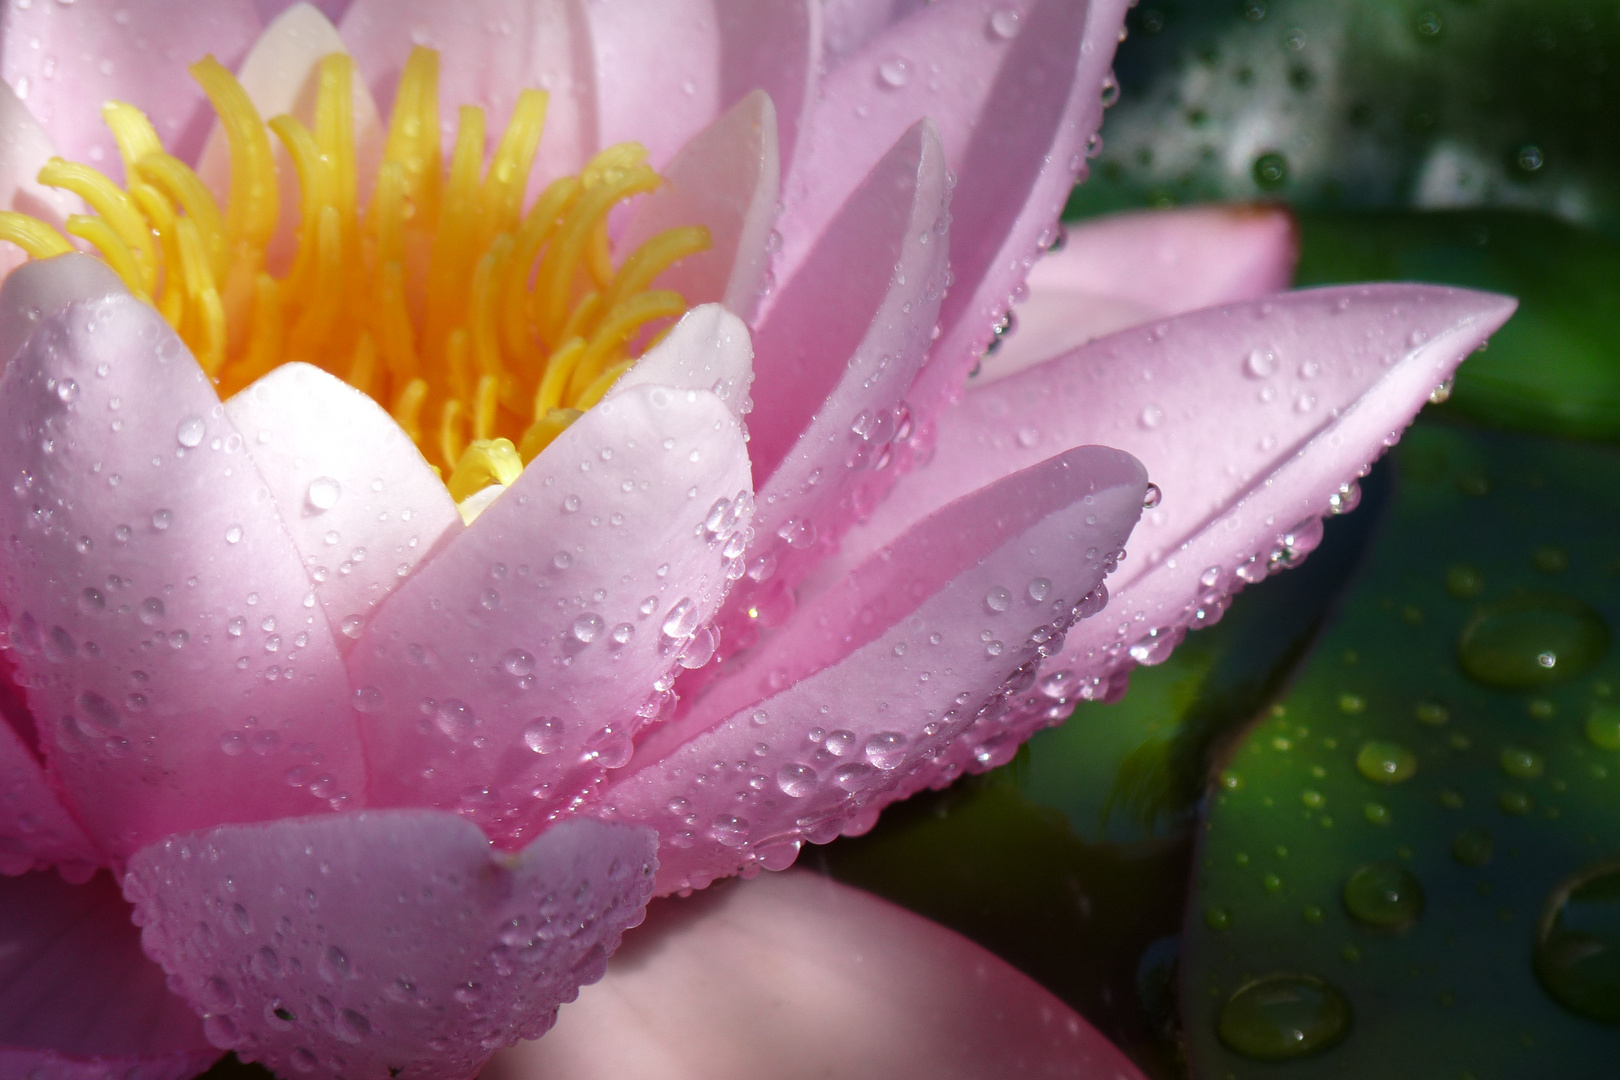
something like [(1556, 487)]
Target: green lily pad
[(1408, 866), (1555, 366), (1368, 103)]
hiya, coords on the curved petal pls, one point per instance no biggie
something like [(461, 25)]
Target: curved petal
[(657, 71), (27, 298), (24, 150), (1254, 419), (724, 178), (270, 9), (836, 352), (141, 544), (507, 674), (1123, 269), (363, 506), (793, 976), (281, 76), (776, 48), (36, 830), (708, 349), (849, 24), (424, 952), (78, 999), (490, 52), (65, 60), (1013, 178), (843, 709)]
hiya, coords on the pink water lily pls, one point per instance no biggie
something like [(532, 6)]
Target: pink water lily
[(385, 768)]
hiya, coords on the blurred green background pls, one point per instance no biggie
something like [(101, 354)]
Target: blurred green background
[(1312, 844)]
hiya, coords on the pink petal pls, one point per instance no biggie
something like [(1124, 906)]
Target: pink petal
[(363, 506), (78, 999), (708, 349), (513, 670), (269, 9), (819, 726), (795, 976), (490, 52), (24, 150), (1253, 418), (36, 831), (657, 65), (66, 60), (1013, 177), (1125, 269), (26, 298), (849, 24), (281, 76), (776, 48), (384, 944), (161, 619), (724, 178), (836, 352)]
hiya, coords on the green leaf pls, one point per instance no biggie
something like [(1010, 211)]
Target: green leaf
[(1400, 830)]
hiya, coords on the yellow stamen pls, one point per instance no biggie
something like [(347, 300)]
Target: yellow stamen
[(483, 323), (32, 235)]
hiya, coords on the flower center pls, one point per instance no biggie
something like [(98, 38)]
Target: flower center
[(483, 328)]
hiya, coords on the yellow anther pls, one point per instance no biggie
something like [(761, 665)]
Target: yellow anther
[(502, 200), (112, 249), (484, 462), (407, 410), (176, 180), (250, 213), (479, 321), (544, 431), (121, 214), (602, 384), (133, 133), (32, 235)]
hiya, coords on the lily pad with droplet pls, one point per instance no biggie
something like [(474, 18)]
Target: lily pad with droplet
[(1456, 883)]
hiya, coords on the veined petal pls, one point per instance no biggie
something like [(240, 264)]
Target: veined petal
[(834, 715), (725, 178), (363, 506), (1124, 269), (1254, 419), (793, 975), (78, 999), (424, 951), (161, 619), (281, 75), (513, 670), (65, 60), (837, 350), (24, 150), (490, 52), (709, 349)]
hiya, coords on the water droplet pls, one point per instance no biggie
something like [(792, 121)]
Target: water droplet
[(587, 627), (894, 72), (1151, 497), (190, 431), (1270, 171), (997, 599), (151, 611), (1383, 894), (1004, 23), (1531, 640), (854, 776), (682, 619), (729, 830), (517, 662), (622, 633), (1152, 416), (1473, 847), (1522, 764), (1386, 762), (162, 519), (886, 750), (455, 718), (1039, 589), (1284, 1016), (1442, 393), (544, 735), (233, 534), (323, 493), (1260, 364), (796, 780), (1577, 952)]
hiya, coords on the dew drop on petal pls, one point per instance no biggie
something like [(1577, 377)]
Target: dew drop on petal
[(189, 432), (323, 493)]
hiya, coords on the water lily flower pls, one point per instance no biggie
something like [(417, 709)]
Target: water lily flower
[(428, 540)]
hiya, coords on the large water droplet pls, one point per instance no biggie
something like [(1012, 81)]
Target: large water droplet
[(323, 493), (1004, 23), (1531, 640), (1522, 764), (544, 735), (455, 718), (894, 72), (796, 780), (1284, 1016), (190, 431), (1577, 954), (682, 619), (886, 749), (1383, 894), (1386, 762)]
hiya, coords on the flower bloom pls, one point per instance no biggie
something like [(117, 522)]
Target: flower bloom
[(412, 569)]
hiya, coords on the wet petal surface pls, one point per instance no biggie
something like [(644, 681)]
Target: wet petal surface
[(384, 944)]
